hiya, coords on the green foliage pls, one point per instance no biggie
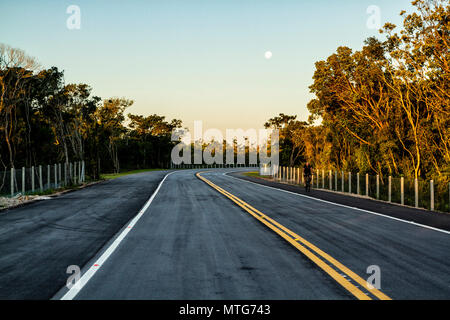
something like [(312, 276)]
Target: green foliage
[(385, 108), (42, 120)]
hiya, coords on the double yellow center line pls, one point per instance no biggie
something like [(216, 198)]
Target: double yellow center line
[(308, 249)]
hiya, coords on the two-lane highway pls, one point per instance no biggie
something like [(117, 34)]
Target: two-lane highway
[(198, 239)]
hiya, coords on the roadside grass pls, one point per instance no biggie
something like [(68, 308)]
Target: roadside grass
[(253, 174), (109, 176)]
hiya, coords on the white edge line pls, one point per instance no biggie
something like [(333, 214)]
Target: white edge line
[(340, 205), (93, 269)]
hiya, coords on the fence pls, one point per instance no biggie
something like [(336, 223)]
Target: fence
[(41, 178), (432, 195)]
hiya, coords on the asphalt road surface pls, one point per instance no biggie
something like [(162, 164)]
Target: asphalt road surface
[(198, 239)]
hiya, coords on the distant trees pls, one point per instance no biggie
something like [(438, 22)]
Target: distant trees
[(43, 121), (385, 108), (291, 135), (148, 142)]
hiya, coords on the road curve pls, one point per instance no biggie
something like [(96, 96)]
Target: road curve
[(195, 243)]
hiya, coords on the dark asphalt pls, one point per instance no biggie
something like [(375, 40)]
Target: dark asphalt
[(414, 261), (433, 219), (194, 243), (39, 241)]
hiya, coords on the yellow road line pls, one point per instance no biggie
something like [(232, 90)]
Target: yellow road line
[(294, 240)]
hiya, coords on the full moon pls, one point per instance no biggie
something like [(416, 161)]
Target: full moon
[(268, 55)]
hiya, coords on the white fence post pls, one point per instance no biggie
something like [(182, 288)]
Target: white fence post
[(432, 195), (416, 193), (390, 189), (331, 181), (79, 171), (65, 174), (343, 181), (70, 173), (349, 182), (48, 177), (75, 172), (335, 180), (41, 185), (12, 182), (23, 180), (84, 171), (323, 179), (32, 178), (357, 183), (378, 186), (56, 176), (317, 178), (402, 190), (59, 174), (367, 184)]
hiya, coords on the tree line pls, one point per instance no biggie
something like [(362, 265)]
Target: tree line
[(383, 109), (45, 121)]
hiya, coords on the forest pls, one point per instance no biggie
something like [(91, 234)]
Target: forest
[(383, 109), (45, 121)]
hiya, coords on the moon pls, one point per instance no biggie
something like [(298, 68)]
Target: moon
[(268, 55)]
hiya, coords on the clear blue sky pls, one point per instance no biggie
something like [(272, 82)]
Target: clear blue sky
[(194, 60)]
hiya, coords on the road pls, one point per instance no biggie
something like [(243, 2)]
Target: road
[(39, 241), (217, 238)]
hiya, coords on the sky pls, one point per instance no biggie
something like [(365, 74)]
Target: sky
[(191, 59)]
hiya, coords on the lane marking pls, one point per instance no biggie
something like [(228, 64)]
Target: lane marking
[(107, 253), (294, 240), (340, 205)]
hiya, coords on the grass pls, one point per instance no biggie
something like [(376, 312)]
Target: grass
[(109, 176), (254, 174)]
